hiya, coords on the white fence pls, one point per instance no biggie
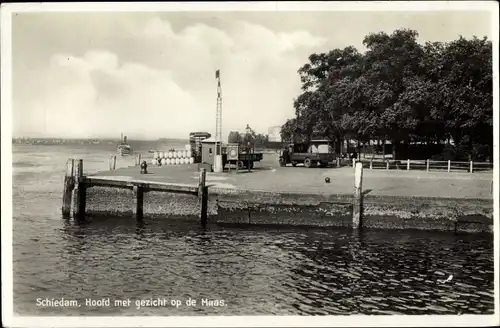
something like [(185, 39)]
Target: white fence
[(425, 165)]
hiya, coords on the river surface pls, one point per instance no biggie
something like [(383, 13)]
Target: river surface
[(227, 270)]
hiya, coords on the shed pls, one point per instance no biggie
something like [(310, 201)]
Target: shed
[(208, 151)]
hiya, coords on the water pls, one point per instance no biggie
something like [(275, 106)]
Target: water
[(254, 270)]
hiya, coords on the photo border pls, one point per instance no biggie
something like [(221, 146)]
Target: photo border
[(8, 9)]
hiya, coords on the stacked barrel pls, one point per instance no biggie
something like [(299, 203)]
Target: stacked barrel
[(173, 157)]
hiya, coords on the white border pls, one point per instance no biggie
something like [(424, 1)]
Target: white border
[(224, 321)]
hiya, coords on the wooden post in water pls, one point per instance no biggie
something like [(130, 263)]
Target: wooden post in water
[(357, 210), (471, 166), (112, 163), (79, 198), (68, 187), (138, 202), (203, 197)]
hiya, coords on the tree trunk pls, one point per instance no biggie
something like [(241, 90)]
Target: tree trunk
[(394, 146)]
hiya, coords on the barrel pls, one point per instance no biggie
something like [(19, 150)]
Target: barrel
[(163, 161), (177, 161), (154, 161), (169, 154), (179, 154), (191, 160), (155, 154)]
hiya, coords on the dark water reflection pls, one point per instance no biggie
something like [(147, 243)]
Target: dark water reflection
[(257, 270)]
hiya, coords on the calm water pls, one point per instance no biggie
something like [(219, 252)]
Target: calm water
[(253, 270)]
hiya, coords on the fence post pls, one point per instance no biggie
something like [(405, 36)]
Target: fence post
[(357, 210), (68, 187), (371, 164), (449, 165), (471, 166), (79, 199), (407, 164), (203, 197), (353, 162), (427, 165)]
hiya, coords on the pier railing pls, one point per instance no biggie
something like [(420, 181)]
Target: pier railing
[(421, 165)]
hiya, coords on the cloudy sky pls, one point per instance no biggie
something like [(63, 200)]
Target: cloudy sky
[(151, 75)]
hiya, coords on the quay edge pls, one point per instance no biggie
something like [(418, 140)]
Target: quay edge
[(251, 207)]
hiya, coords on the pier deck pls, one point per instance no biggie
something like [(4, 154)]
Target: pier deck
[(271, 177), (270, 194)]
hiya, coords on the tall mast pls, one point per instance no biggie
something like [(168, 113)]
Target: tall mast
[(218, 116), (218, 167)]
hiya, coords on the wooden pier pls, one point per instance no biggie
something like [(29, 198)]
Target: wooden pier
[(76, 185)]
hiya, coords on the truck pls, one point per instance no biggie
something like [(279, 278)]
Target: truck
[(245, 159), (312, 153)]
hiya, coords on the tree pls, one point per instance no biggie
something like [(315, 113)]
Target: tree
[(234, 137), (399, 90)]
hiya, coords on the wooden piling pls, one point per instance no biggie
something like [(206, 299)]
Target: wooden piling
[(203, 197), (68, 187), (371, 164), (427, 165), (80, 195), (138, 202), (112, 163), (408, 164), (357, 210), (471, 166), (387, 165), (449, 165)]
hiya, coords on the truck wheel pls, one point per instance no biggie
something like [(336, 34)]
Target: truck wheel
[(307, 162), (294, 164), (250, 165), (282, 162), (240, 164)]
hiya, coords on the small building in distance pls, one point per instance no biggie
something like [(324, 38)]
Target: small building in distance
[(274, 133)]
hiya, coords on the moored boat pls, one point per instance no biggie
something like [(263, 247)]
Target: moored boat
[(124, 148)]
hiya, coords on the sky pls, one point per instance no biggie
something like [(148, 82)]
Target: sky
[(152, 74)]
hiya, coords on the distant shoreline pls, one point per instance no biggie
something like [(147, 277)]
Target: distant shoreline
[(59, 141)]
